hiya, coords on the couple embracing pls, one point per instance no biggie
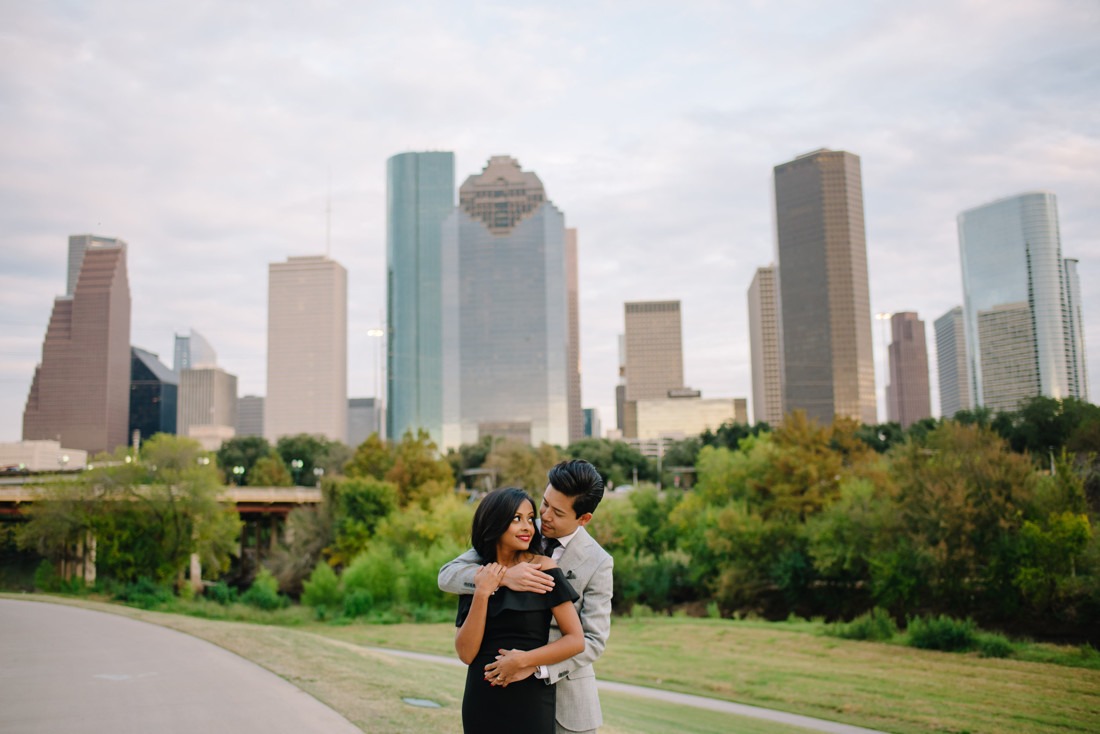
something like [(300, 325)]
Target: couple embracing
[(535, 608)]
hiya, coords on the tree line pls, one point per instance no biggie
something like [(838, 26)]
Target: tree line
[(982, 515)]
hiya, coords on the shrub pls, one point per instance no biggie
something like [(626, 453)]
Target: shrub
[(46, 578), (378, 572), (993, 645), (876, 625), (358, 603), (220, 592), (264, 592), (144, 593), (942, 633), (323, 588)]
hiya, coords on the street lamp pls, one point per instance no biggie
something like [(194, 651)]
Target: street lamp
[(318, 472), (296, 466), (238, 474)]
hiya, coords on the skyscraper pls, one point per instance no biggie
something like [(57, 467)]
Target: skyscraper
[(1021, 324), (193, 351), (250, 415), (364, 418), (908, 399), (654, 356), (505, 311), (951, 363), (573, 357), (207, 410), (307, 349), (825, 305), (154, 393), (1075, 331), (80, 394), (420, 194), (766, 344)]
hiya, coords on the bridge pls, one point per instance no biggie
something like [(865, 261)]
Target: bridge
[(16, 492), (262, 510)]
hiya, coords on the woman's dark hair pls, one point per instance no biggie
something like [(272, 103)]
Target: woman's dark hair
[(492, 518)]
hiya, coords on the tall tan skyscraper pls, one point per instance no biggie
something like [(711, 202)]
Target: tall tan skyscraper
[(573, 356), (766, 345), (307, 349), (653, 356), (907, 396), (825, 303), (80, 394)]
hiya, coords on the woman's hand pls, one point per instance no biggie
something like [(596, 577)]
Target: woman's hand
[(488, 579)]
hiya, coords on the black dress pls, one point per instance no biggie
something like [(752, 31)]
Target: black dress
[(515, 620)]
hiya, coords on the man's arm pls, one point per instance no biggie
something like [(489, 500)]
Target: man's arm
[(595, 619), (457, 576)]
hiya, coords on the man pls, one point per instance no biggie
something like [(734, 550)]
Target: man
[(572, 495)]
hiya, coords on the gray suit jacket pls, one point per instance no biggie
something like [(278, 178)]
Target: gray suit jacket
[(588, 569)]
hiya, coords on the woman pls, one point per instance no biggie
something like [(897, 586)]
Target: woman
[(496, 618)]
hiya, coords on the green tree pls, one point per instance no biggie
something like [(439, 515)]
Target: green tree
[(519, 465), (372, 458), (302, 453), (961, 495), (146, 517), (269, 471), (469, 456), (244, 452), (616, 461), (418, 470), (359, 505)]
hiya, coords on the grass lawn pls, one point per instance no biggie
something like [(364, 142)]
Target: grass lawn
[(781, 666)]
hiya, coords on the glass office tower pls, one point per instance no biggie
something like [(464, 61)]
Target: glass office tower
[(420, 194), (505, 314), (154, 390), (1019, 336)]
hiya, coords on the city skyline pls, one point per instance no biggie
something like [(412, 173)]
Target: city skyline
[(217, 166)]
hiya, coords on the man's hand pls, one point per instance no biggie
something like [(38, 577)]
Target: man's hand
[(508, 668), (527, 577)]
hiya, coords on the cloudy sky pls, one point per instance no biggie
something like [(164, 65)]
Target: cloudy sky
[(213, 136)]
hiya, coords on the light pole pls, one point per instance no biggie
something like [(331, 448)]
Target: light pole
[(318, 472), (238, 474), (296, 466)]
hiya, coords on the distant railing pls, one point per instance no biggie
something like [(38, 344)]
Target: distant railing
[(11, 496)]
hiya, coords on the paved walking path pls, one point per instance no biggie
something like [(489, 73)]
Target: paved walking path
[(66, 669), (684, 699), (78, 671)]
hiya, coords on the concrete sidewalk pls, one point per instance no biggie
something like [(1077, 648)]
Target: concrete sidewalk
[(77, 671)]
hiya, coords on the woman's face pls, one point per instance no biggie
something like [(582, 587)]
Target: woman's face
[(519, 533)]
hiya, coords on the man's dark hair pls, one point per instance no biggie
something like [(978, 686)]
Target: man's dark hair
[(493, 516), (580, 480)]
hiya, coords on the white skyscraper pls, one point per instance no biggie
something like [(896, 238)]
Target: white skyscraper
[(307, 349), (1021, 334)]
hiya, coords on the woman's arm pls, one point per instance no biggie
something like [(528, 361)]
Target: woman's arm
[(569, 644), (469, 635)]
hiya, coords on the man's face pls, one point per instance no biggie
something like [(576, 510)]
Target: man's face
[(556, 512)]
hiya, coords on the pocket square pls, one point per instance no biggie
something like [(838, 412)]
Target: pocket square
[(570, 575)]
